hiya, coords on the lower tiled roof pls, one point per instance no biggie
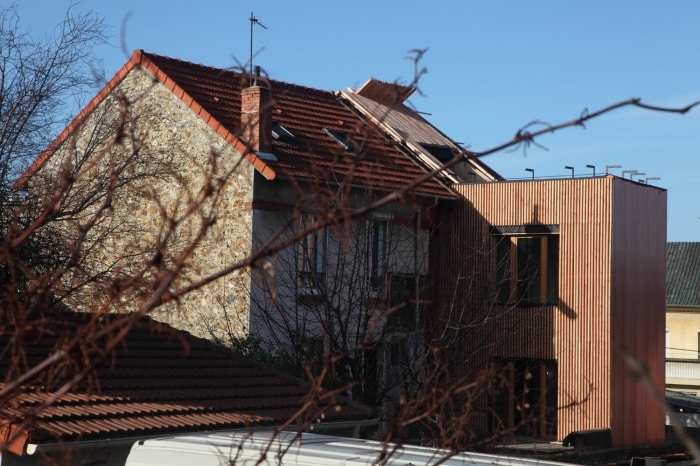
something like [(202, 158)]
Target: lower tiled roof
[(157, 380)]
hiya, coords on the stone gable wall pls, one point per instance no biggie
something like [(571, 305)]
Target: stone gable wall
[(167, 162)]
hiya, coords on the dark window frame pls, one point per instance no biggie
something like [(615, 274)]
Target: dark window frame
[(311, 255), (377, 247), (525, 268)]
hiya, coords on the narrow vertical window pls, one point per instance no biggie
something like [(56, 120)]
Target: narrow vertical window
[(311, 255), (529, 274), (503, 273), (377, 247), (551, 288)]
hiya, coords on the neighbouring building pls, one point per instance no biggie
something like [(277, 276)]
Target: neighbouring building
[(550, 284), (683, 317)]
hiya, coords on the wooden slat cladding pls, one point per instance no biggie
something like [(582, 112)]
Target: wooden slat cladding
[(610, 285)]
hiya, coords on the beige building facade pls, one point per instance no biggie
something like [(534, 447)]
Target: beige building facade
[(683, 317)]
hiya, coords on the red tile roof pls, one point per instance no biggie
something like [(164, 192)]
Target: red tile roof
[(215, 95), (158, 380)]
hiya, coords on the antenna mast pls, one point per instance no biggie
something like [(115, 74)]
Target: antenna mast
[(253, 22)]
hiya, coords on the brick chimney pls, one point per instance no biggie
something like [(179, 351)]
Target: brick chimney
[(256, 117)]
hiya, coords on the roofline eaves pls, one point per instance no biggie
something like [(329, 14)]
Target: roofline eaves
[(450, 194)]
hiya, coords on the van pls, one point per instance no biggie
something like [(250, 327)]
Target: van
[(268, 448)]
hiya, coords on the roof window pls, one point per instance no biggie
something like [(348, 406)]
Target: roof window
[(282, 134), (442, 153), (341, 138)]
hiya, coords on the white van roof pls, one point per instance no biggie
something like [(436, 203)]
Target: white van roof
[(288, 448)]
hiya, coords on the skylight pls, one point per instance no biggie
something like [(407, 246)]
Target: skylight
[(282, 134), (342, 139), (441, 153)]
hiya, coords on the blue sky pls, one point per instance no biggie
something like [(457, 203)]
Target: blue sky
[(492, 67)]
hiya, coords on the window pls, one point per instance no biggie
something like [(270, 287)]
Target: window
[(377, 247), (282, 134), (312, 249), (398, 353), (407, 302), (314, 352), (442, 153), (341, 138), (526, 269), (526, 397)]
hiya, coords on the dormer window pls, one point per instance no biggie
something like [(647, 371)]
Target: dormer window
[(342, 139)]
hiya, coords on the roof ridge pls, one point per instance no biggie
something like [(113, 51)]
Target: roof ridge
[(267, 78), (150, 55)]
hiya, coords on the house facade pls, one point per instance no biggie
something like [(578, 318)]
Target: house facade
[(270, 161), (683, 317), (348, 236), (557, 286), (207, 169)]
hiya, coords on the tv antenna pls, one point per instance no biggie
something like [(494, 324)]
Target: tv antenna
[(253, 22)]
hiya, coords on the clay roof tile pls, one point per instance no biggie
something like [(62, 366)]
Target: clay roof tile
[(215, 95), (191, 384)]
